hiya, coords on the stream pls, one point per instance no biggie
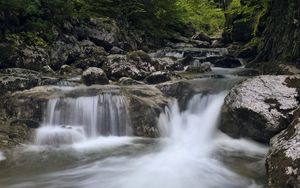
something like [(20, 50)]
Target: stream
[(87, 142)]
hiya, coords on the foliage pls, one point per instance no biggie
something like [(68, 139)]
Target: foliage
[(156, 17)]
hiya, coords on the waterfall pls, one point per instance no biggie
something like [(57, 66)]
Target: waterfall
[(70, 120)]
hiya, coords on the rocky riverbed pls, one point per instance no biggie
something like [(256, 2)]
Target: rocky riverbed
[(95, 62)]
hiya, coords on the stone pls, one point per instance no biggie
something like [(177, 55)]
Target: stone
[(33, 58), (158, 77), (94, 75), (202, 37), (260, 107), (47, 70), (118, 66), (116, 50), (202, 68), (283, 160), (167, 63), (124, 81)]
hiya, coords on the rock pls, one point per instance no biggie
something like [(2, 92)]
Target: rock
[(65, 69), (116, 50), (158, 77), (260, 107), (202, 37), (118, 66), (124, 81), (201, 44), (63, 53), (140, 59), (202, 68), (17, 83), (33, 58), (228, 62), (47, 70), (167, 63), (181, 90), (94, 75), (15, 134), (283, 160), (145, 103)]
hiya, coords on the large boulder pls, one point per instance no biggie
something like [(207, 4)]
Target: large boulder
[(94, 75), (260, 107), (118, 66), (283, 160)]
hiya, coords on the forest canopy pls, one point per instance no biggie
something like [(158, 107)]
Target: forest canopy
[(154, 16)]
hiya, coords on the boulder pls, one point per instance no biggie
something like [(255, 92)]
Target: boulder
[(228, 62), (118, 66), (260, 107), (158, 77), (202, 68), (140, 59), (94, 75), (47, 70), (33, 58), (248, 52), (283, 160), (167, 63), (202, 37)]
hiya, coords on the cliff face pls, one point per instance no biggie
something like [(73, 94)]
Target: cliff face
[(281, 33)]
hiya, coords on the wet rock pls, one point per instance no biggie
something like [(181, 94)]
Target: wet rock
[(145, 105), (260, 107), (124, 81), (182, 91), (283, 160), (228, 62), (202, 68), (12, 135), (94, 75), (158, 77), (140, 59)]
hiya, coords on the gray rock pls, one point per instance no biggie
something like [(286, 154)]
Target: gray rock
[(47, 70), (167, 63), (260, 107), (158, 77), (118, 66), (94, 75), (33, 57), (124, 81), (283, 160), (202, 68)]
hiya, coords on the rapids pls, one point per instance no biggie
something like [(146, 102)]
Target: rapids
[(86, 143)]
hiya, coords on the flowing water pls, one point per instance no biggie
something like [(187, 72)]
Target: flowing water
[(86, 143)]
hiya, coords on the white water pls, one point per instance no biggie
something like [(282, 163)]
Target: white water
[(187, 156), (73, 120), (2, 157)]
